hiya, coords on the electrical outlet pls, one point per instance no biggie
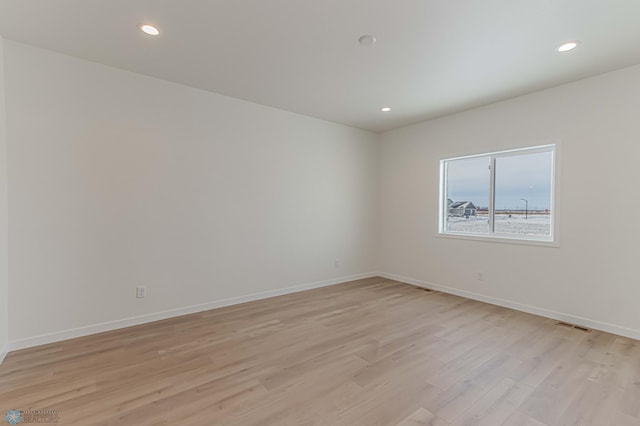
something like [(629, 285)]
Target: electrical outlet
[(141, 292), (336, 263), (480, 276)]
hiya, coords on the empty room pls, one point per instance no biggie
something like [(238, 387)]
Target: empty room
[(334, 212)]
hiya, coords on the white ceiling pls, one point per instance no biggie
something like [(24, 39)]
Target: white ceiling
[(433, 57)]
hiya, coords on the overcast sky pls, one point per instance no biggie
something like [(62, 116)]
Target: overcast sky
[(523, 176)]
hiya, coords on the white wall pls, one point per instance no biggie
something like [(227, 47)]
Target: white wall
[(119, 180), (4, 285), (594, 275)]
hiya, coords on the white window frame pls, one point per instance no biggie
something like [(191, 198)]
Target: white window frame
[(550, 240)]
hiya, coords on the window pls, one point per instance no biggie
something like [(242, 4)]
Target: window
[(507, 194)]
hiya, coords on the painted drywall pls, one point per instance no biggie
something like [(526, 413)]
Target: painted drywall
[(4, 284), (120, 180), (594, 272)]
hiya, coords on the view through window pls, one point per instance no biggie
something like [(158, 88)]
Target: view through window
[(502, 194)]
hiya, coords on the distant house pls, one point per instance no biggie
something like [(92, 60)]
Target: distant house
[(461, 208)]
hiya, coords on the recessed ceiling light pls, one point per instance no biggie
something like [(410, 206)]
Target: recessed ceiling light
[(385, 109), (570, 45), (149, 29), (366, 40)]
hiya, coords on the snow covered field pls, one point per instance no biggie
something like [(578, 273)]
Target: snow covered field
[(535, 224)]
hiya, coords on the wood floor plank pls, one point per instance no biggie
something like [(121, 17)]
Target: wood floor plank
[(422, 417), (370, 352), (494, 407), (557, 391), (518, 418)]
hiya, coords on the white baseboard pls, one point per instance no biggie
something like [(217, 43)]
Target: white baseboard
[(560, 316), (143, 319), (3, 352)]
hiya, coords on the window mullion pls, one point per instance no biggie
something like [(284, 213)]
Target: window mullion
[(444, 174), (492, 194)]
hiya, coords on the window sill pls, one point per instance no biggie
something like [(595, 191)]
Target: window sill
[(499, 239)]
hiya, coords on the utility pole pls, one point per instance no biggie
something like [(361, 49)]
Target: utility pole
[(526, 208)]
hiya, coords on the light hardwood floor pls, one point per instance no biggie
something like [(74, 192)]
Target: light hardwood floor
[(370, 352)]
